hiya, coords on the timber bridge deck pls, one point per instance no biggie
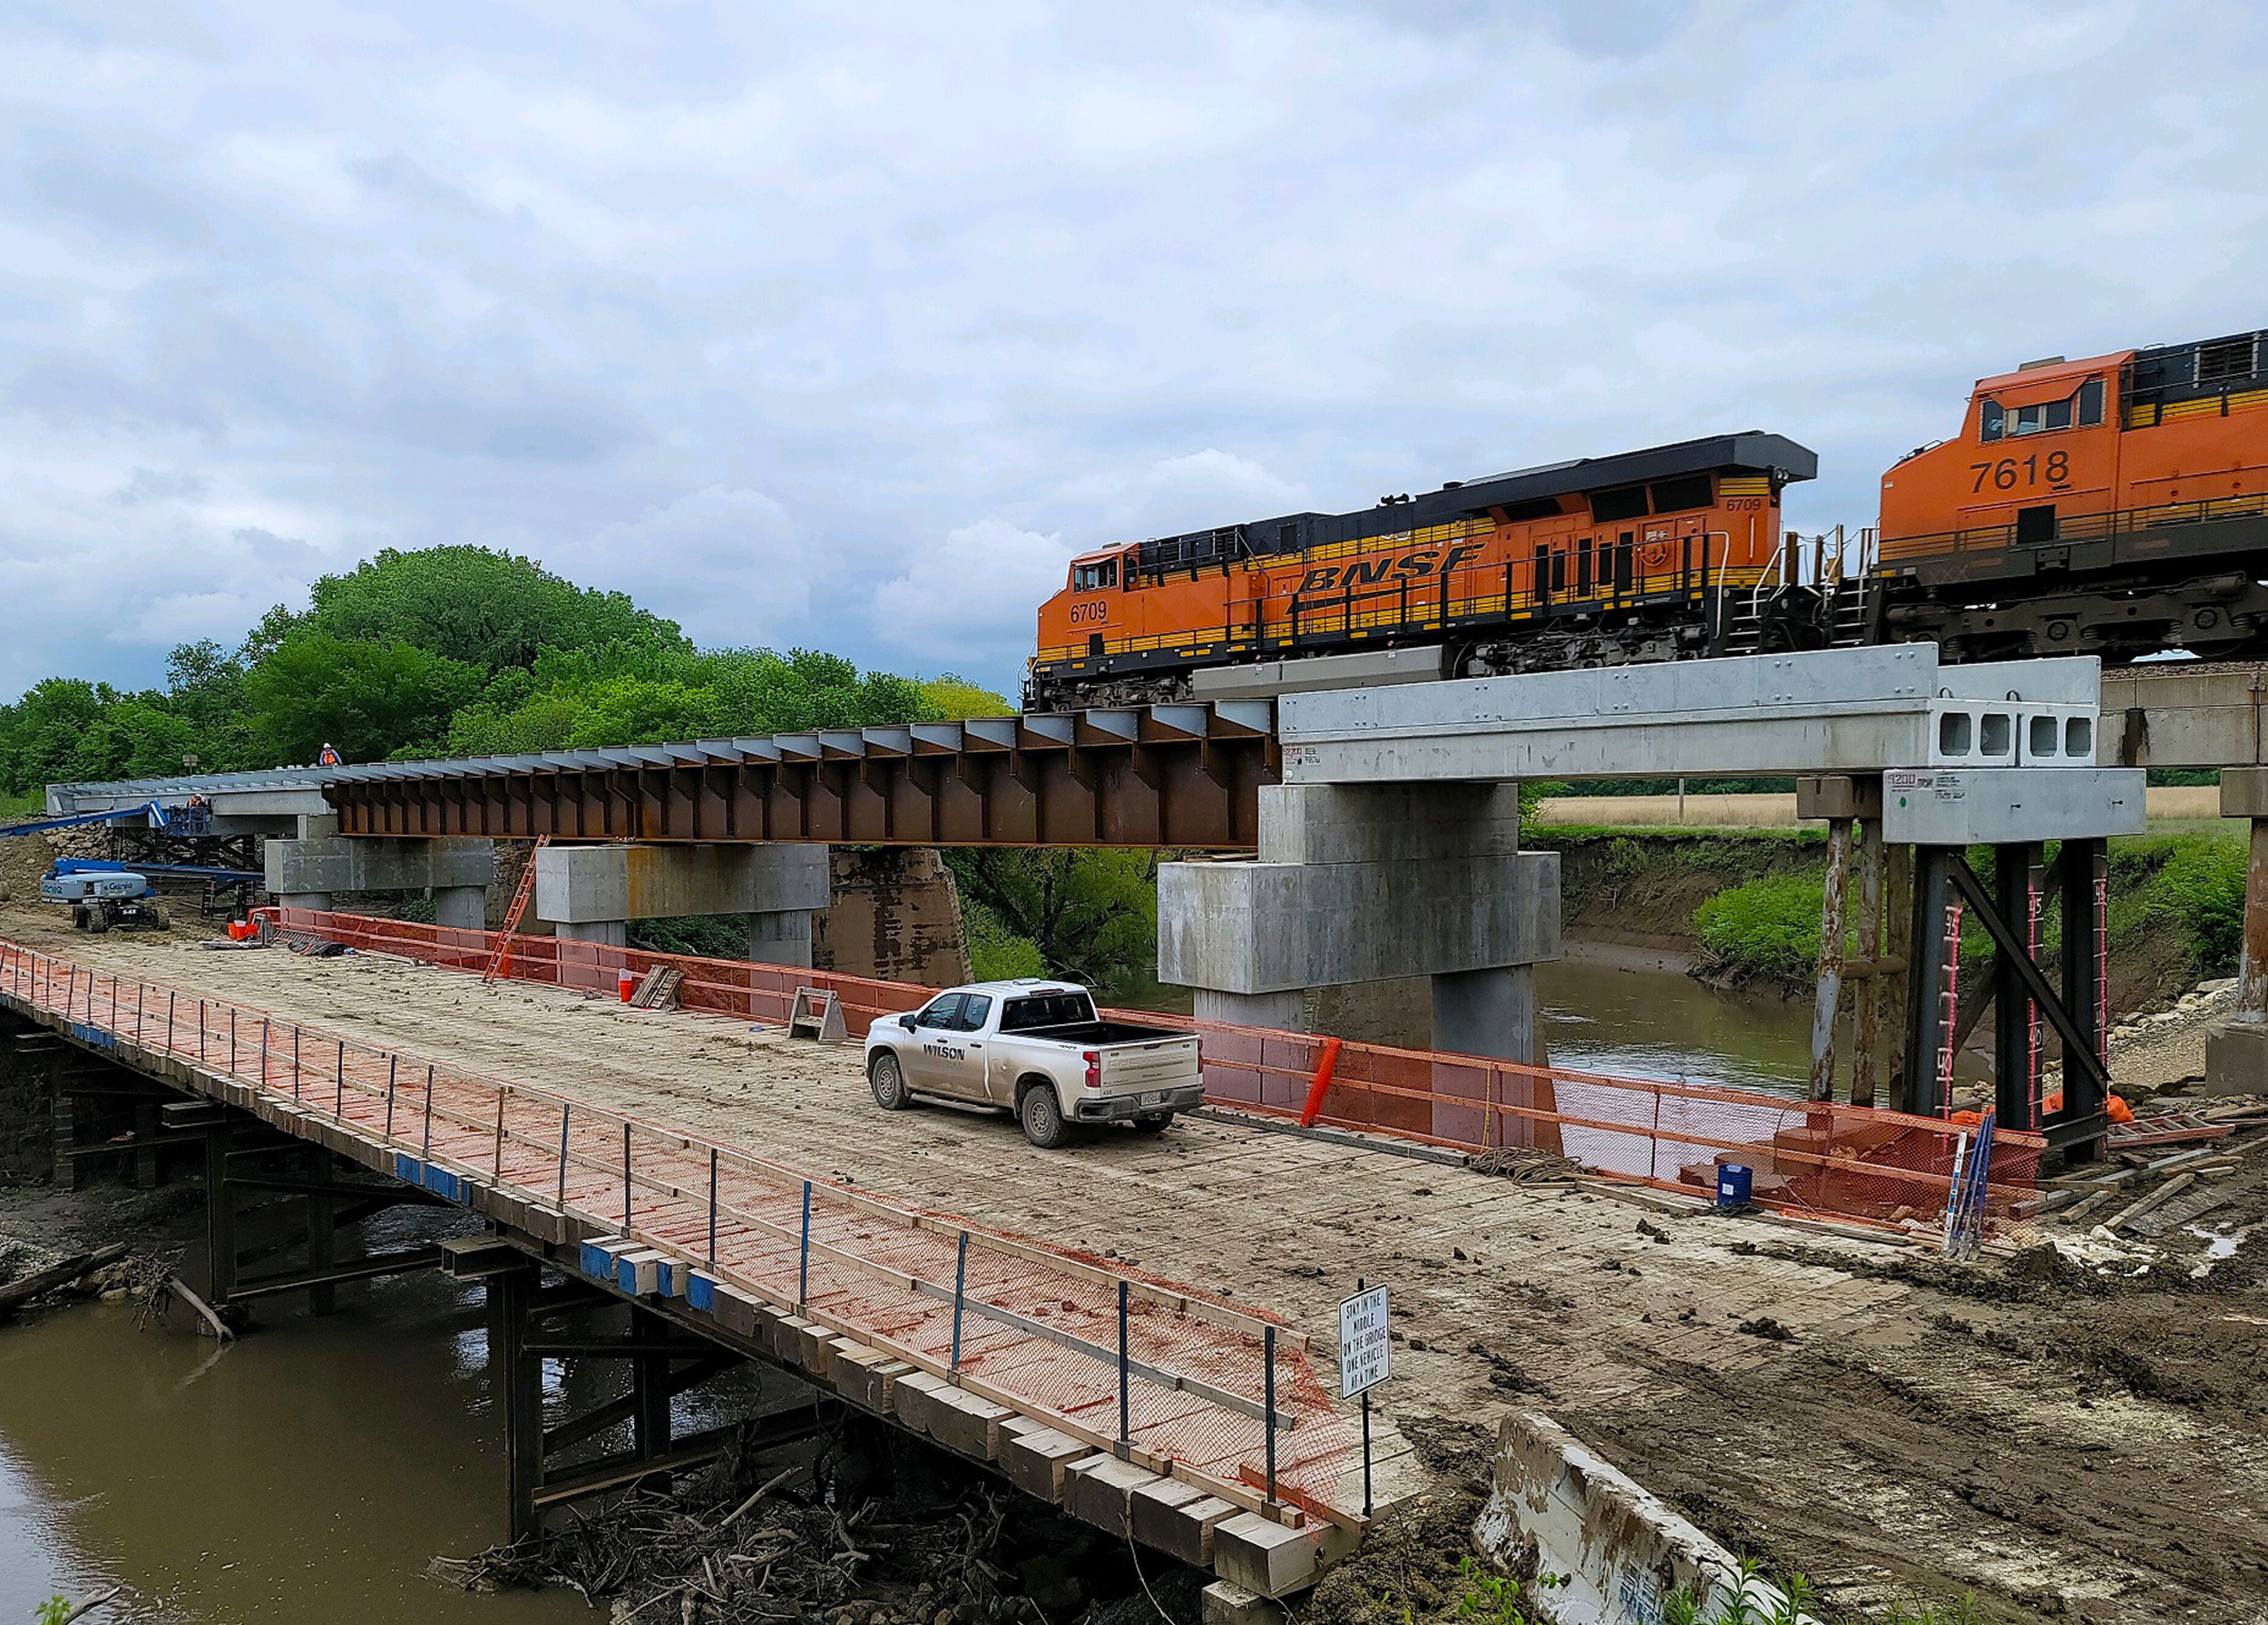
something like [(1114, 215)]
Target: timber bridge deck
[(1001, 1350)]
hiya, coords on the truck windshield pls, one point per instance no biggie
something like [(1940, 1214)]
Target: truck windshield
[(1046, 1010)]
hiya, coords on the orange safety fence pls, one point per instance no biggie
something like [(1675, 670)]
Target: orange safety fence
[(1807, 1157), (1180, 1380)]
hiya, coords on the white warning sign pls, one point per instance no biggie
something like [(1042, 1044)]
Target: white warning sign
[(1365, 1349)]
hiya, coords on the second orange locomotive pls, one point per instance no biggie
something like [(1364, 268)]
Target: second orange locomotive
[(1648, 555)]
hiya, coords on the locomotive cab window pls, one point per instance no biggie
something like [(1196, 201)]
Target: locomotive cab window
[(2084, 409), (1094, 578)]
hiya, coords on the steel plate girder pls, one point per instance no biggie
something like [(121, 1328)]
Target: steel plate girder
[(1181, 776)]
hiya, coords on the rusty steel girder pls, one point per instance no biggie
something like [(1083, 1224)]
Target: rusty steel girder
[(1185, 776)]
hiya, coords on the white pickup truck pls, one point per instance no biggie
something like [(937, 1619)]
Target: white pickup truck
[(1037, 1048)]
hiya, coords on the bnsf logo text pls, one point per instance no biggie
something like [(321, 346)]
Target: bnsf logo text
[(1368, 572)]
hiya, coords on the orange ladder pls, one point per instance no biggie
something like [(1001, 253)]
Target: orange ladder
[(500, 960)]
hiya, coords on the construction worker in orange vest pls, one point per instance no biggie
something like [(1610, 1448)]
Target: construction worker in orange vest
[(329, 759)]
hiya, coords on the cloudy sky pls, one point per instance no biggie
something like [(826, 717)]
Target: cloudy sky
[(844, 325)]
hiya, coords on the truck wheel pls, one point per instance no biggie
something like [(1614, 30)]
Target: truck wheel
[(1153, 1123), (1043, 1118), (886, 1078)]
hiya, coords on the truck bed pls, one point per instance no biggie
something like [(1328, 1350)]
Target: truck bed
[(1097, 1032)]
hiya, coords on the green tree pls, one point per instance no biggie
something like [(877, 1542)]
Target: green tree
[(1091, 913), (470, 604), (368, 700)]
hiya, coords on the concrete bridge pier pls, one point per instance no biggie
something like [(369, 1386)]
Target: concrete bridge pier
[(307, 872), (1371, 883), (591, 894)]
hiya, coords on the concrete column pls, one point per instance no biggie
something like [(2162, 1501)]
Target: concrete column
[(591, 894), (1368, 883), (318, 901), (464, 907), (1286, 1012), (1487, 1012), (783, 937)]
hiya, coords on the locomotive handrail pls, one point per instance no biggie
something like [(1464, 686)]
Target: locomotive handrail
[(2079, 527)]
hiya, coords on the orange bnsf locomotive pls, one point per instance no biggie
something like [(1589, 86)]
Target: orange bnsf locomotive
[(2115, 506), (1605, 560)]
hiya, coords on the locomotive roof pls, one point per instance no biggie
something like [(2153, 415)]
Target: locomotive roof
[(1751, 451)]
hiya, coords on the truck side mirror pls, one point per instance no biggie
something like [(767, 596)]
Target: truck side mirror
[(906, 1022)]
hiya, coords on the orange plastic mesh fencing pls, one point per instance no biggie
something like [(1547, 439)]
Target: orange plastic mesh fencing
[(1100, 1350), (1807, 1157)]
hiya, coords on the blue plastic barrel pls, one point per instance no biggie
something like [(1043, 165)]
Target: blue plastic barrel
[(1734, 1183)]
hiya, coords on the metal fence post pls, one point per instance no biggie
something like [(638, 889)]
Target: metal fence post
[(563, 1109), (338, 1098), (393, 1066), (712, 1207), (201, 1029), (1268, 1342), (295, 1063), (427, 1153), (500, 1135), (960, 1286), (233, 1041), (170, 997), (626, 1179), (803, 1268), (1126, 1376)]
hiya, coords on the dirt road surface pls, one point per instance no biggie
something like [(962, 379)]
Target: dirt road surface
[(2064, 1441)]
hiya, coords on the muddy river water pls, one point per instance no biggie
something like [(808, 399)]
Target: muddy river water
[(310, 1471)]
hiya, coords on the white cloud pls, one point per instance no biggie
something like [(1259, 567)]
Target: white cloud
[(724, 562), (743, 309), (969, 603)]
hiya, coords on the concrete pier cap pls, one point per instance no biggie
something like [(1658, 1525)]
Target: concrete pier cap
[(591, 894), (307, 871), (1370, 883)]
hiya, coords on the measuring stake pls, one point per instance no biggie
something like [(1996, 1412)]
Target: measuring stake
[(803, 1269), (959, 1285), (1268, 1344)]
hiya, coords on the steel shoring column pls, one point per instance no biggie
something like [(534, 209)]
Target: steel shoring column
[(2075, 1012), (1924, 1085), (2082, 877), (649, 1385), (1833, 926), (219, 1219), (516, 1379), (322, 1234), (2016, 876), (1897, 957)]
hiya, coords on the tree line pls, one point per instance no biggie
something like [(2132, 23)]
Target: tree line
[(460, 651)]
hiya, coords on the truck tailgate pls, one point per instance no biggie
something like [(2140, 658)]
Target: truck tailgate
[(1153, 1064)]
